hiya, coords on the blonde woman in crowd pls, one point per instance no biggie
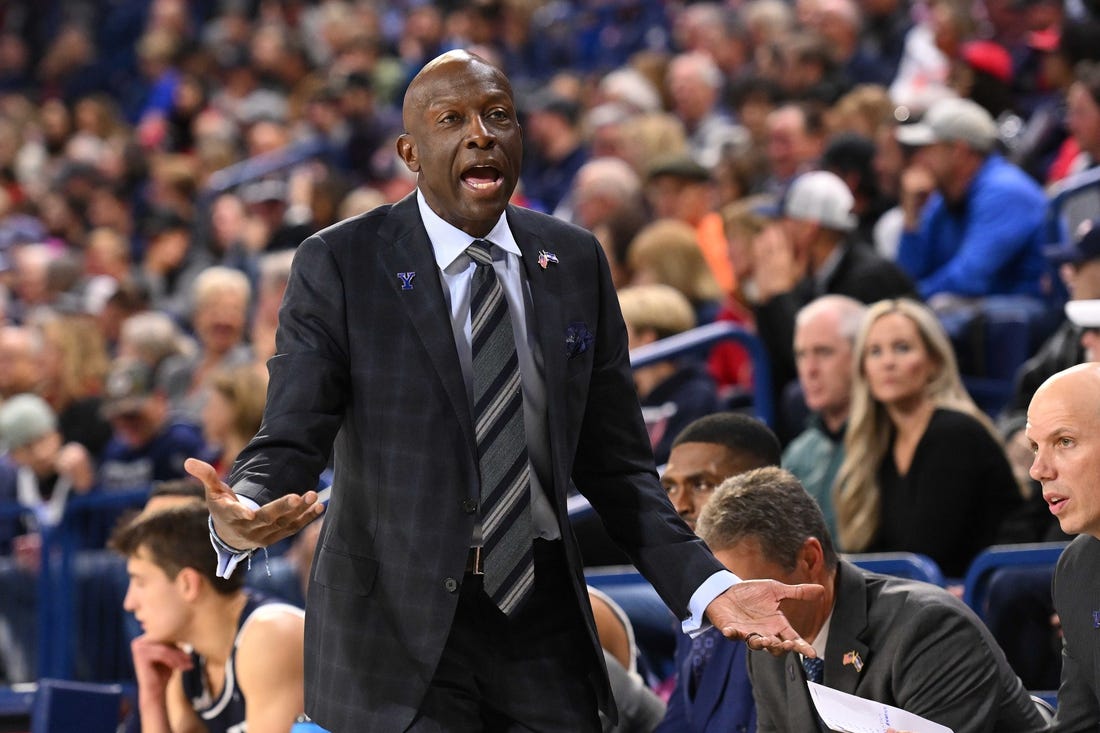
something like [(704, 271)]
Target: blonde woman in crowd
[(923, 471), (74, 365), (667, 252), (232, 412)]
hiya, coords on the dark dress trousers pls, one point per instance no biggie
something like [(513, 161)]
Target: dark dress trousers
[(366, 365)]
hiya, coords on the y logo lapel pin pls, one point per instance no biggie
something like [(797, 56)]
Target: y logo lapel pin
[(406, 279), (546, 258)]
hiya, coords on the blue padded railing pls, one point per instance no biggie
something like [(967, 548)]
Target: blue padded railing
[(262, 165), (703, 336), (55, 586), (911, 565)]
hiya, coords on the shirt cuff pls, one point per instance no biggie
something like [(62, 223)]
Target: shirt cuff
[(230, 557), (711, 588)]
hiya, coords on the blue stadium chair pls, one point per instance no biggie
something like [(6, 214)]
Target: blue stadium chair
[(61, 706), (992, 339), (911, 565), (655, 627), (989, 562), (698, 341), (1008, 587), (16, 703)]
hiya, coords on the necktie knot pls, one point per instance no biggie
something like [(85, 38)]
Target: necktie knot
[(815, 668), (480, 251)]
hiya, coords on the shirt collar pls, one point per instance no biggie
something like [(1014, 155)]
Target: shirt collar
[(449, 242)]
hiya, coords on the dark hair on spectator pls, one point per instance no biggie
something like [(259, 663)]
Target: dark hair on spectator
[(1079, 41), (130, 295), (851, 152), (740, 434), (623, 226), (770, 505), (1087, 74), (754, 86), (182, 487), (175, 539)]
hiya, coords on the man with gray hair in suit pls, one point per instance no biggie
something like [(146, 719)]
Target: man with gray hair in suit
[(901, 642)]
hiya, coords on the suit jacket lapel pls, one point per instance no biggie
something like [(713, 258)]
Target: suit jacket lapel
[(802, 713), (408, 249), (846, 630)]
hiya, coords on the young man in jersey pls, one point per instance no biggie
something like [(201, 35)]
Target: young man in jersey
[(213, 656)]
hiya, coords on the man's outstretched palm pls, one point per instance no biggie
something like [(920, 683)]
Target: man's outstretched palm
[(749, 610)]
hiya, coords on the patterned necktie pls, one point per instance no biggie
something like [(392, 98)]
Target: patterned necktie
[(501, 440), (702, 649), (815, 668)]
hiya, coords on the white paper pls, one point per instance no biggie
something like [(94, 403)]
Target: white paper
[(850, 714)]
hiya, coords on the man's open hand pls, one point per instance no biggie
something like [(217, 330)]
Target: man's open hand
[(749, 610), (244, 528)]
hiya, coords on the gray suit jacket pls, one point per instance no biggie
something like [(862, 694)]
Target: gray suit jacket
[(370, 370), (1077, 600), (919, 649)]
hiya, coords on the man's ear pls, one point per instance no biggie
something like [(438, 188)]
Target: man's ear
[(811, 561), (189, 581), (406, 150)]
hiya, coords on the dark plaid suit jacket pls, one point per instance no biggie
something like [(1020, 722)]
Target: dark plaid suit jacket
[(371, 370)]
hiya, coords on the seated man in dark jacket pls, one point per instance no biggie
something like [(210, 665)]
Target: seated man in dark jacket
[(904, 643)]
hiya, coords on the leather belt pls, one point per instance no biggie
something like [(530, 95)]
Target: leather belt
[(475, 561)]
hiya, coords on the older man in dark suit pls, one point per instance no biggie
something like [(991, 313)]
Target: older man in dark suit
[(469, 360), (904, 643), (1063, 428)]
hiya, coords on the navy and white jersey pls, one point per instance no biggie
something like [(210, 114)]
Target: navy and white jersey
[(226, 714)]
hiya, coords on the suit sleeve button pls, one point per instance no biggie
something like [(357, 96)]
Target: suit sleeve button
[(469, 506), (450, 585)]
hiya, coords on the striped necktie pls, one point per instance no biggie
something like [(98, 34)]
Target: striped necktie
[(501, 440)]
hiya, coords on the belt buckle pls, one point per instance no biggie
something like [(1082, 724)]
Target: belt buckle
[(474, 561)]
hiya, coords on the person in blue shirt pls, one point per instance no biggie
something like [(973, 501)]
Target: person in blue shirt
[(973, 221), (147, 443)]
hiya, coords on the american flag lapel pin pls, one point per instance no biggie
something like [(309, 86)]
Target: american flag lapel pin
[(545, 258), (853, 659)]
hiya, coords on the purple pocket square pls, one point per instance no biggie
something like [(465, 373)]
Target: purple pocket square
[(578, 339)]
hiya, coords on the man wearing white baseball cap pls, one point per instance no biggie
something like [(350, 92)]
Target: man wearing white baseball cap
[(973, 221), (1085, 314), (811, 251)]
